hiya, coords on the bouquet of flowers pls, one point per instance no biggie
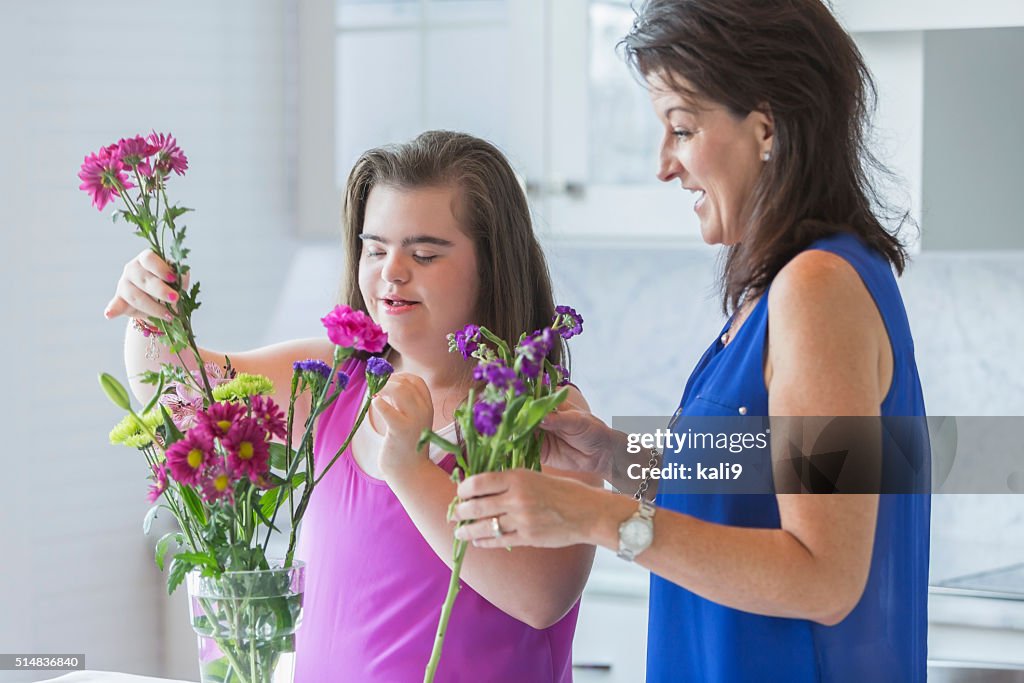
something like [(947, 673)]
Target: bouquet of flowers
[(221, 452), (517, 389)]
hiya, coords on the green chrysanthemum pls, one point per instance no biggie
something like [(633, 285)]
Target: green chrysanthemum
[(243, 386), (128, 432)]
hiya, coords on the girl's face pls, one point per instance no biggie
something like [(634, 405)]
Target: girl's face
[(713, 154), (418, 269)]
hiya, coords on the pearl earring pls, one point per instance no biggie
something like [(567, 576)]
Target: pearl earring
[(766, 156)]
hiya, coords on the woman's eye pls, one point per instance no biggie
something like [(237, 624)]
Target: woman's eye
[(424, 258), (682, 133), (369, 253)]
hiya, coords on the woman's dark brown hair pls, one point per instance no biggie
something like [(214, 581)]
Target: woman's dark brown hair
[(514, 283), (792, 58)]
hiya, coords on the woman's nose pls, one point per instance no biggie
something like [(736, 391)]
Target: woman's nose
[(669, 166)]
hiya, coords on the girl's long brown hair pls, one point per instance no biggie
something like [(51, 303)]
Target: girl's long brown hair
[(514, 283)]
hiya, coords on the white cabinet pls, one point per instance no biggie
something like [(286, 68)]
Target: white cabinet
[(927, 15), (611, 633)]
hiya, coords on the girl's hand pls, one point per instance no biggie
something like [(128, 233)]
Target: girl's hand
[(532, 509), (146, 283), (405, 409)]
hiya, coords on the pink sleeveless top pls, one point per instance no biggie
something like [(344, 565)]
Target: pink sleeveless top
[(374, 588)]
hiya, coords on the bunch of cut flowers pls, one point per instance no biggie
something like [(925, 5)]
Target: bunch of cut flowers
[(516, 388), (224, 458)]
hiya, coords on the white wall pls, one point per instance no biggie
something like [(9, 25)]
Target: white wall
[(77, 574)]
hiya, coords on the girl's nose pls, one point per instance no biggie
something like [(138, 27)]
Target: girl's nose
[(394, 269)]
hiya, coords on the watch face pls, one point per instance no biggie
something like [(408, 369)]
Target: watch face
[(637, 533)]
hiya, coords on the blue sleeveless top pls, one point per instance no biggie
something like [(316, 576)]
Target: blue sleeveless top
[(885, 637)]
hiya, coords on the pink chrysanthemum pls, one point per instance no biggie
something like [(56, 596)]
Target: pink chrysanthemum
[(169, 156), (219, 418), (135, 153), (187, 458), (270, 416), (354, 329), (216, 484), (248, 453), (103, 176), (159, 485)]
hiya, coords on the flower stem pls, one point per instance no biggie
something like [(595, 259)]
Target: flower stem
[(442, 626)]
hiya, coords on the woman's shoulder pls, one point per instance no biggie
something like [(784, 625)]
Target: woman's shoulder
[(816, 279)]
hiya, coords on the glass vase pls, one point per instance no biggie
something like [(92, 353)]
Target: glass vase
[(246, 623)]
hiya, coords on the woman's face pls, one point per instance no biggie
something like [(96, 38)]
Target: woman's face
[(417, 269), (713, 154)]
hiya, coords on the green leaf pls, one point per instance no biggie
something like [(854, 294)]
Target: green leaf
[(503, 349), (156, 395), (439, 441), (171, 432), (193, 503), (163, 544), (197, 559), (179, 568), (269, 500), (147, 521), (117, 394), (278, 453)]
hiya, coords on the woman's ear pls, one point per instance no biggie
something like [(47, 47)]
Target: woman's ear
[(764, 129)]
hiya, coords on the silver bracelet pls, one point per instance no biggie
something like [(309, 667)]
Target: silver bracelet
[(639, 495)]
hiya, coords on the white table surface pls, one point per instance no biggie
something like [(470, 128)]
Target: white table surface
[(105, 677)]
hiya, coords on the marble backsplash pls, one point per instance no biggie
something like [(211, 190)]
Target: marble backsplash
[(650, 313)]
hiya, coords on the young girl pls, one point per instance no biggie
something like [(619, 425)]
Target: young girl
[(438, 235)]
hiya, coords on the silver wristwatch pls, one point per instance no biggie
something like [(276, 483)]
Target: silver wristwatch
[(637, 533)]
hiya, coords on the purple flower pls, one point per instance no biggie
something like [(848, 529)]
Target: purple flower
[(564, 374), (487, 417), (314, 366), (533, 350), (343, 379), (467, 340), (378, 366), (495, 373), (568, 322)]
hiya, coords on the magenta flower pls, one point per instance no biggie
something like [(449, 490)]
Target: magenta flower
[(248, 454), (216, 483), (169, 156), (135, 153), (103, 176), (159, 485), (218, 419), (187, 458), (354, 329), (269, 415)]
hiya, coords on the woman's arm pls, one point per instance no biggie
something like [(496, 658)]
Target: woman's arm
[(537, 586), (824, 359)]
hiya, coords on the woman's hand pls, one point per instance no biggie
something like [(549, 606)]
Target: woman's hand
[(532, 508), (144, 287), (578, 441), (405, 409)]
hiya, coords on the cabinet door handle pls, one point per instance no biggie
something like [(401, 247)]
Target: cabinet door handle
[(592, 666)]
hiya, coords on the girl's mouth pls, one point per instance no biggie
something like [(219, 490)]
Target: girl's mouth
[(398, 306)]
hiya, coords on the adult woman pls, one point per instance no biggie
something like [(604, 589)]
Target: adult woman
[(764, 107)]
